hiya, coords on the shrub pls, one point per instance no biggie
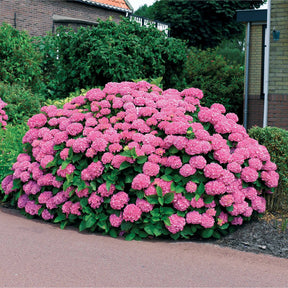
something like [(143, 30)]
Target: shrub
[(3, 115), (109, 52), (275, 139), (220, 82), (10, 147), (22, 103), (19, 59), (137, 161)]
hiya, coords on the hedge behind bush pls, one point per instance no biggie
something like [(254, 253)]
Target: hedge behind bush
[(20, 60), (110, 52), (219, 81), (275, 139)]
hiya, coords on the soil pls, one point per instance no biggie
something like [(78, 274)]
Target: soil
[(267, 235)]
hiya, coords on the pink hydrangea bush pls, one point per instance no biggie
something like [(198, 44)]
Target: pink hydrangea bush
[(3, 115), (137, 161)]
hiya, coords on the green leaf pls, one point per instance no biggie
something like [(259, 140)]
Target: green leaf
[(185, 158), (159, 191), (63, 224), (141, 159), (16, 184), (224, 226), (166, 221), (167, 178), (130, 236), (108, 185), (161, 200), (153, 199), (76, 157), (168, 171), (140, 194), (156, 231), (65, 164), (126, 153), (113, 233), (129, 178), (179, 189), (90, 222), (200, 189), (216, 235), (58, 147), (168, 198), (168, 211), (59, 218), (82, 225), (148, 229), (173, 150), (124, 165), (230, 208), (173, 187), (51, 164), (93, 186), (207, 233), (208, 199)]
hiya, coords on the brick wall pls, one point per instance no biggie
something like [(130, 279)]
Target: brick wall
[(35, 16), (278, 76)]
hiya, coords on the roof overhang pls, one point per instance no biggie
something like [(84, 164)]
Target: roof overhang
[(64, 19), (252, 15), (105, 6)]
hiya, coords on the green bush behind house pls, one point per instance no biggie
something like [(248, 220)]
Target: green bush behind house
[(220, 82), (110, 52), (20, 60), (275, 139)]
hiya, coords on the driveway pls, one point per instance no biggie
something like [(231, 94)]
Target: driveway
[(37, 254)]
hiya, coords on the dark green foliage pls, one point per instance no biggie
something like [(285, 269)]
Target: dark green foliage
[(233, 51), (110, 52), (275, 139), (220, 82), (145, 11), (10, 147), (202, 23), (22, 103), (19, 58)]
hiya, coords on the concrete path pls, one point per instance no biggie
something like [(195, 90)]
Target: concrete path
[(38, 254)]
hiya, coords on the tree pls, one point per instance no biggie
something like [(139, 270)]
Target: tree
[(203, 24)]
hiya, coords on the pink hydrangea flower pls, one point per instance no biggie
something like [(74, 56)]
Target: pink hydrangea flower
[(180, 202), (74, 129), (44, 197), (207, 221), (187, 170), (37, 121), (102, 190), (119, 200), (131, 213), (191, 187), (177, 223), (198, 162), (222, 219), (249, 174), (115, 220), (46, 215), (237, 221), (22, 201), (140, 182), (213, 171), (151, 169), (174, 162), (95, 201), (144, 205), (226, 200), (193, 217), (32, 208), (215, 187)]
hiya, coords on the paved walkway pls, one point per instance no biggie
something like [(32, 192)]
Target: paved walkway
[(37, 254)]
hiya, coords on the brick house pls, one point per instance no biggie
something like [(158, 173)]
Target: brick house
[(40, 16), (258, 79)]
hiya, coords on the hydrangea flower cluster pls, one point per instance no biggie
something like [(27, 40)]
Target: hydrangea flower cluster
[(137, 161), (3, 115)]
